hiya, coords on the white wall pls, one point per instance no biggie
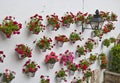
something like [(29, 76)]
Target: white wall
[(23, 9)]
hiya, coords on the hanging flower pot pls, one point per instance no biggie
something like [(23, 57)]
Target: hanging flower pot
[(44, 43), (80, 51), (61, 39), (35, 24), (30, 68), (51, 59), (59, 79), (53, 22), (67, 19), (103, 61), (44, 79), (10, 27), (78, 23), (71, 72), (7, 77), (23, 51)]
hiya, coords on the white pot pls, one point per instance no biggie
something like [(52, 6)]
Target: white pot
[(67, 25), (71, 72), (79, 23), (50, 66), (43, 49), (19, 56), (30, 74), (60, 44), (58, 79)]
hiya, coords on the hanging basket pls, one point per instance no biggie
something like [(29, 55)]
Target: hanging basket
[(30, 74), (50, 66), (60, 44), (58, 79), (79, 23), (71, 72), (43, 49)]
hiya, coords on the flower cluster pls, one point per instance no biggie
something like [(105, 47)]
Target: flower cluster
[(74, 36), (80, 50), (51, 58), (72, 67), (67, 19), (89, 45), (87, 75), (107, 42), (84, 64), (35, 25), (23, 51), (80, 17), (2, 56), (92, 57), (67, 58), (54, 21), (30, 67), (61, 38), (44, 79), (103, 61), (61, 74), (44, 43), (8, 76), (108, 27), (9, 26)]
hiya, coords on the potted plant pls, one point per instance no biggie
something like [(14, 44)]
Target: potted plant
[(84, 64), (103, 61), (44, 79), (106, 42), (105, 15), (2, 56), (113, 17), (30, 68), (89, 45), (88, 19), (53, 21), (108, 27), (61, 39), (72, 68), (97, 33), (74, 37), (35, 24), (51, 59), (9, 26), (92, 58), (23, 51), (67, 58), (87, 75), (67, 19), (112, 40), (8, 76), (80, 18), (44, 43), (80, 51), (61, 75)]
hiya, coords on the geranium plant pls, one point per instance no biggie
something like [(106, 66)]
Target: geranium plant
[(44, 43), (67, 58), (72, 68), (84, 64), (92, 57), (67, 19), (80, 18), (35, 24), (88, 18), (8, 76), (23, 51), (30, 68), (106, 42), (87, 75), (97, 33), (44, 79), (103, 60), (89, 45), (108, 27), (80, 51), (74, 37), (61, 39), (61, 75), (113, 17), (9, 26), (51, 59), (2, 56), (105, 15), (54, 21)]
